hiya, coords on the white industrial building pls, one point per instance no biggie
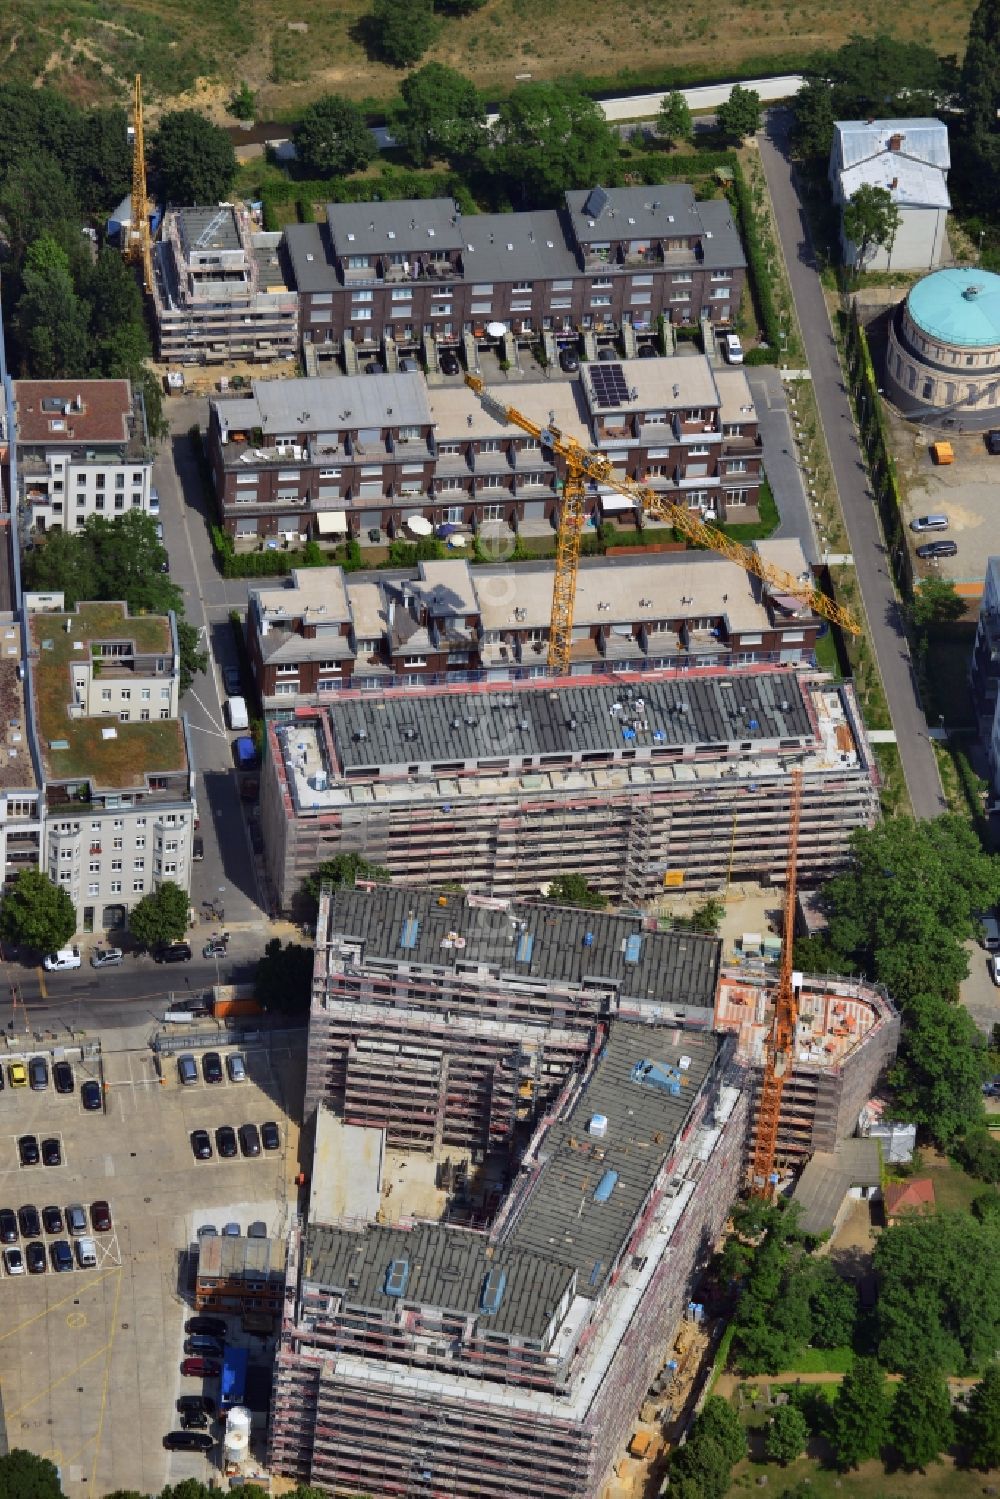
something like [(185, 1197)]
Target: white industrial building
[(910, 159)]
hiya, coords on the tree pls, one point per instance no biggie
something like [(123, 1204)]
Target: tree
[(936, 1077), (333, 138), (740, 115), (194, 660), (103, 161), (442, 114), (673, 123), (193, 160), (812, 128), (25, 1476), (871, 220), (833, 1306), (458, 7), (573, 890), (699, 1470), (981, 1426), (985, 1207), (403, 29), (36, 913), (980, 100), (342, 869), (786, 1435), (50, 321), (859, 1414), (718, 1422), (161, 916), (921, 1424), (549, 137), (62, 563), (37, 198), (979, 1154), (283, 980), (243, 102), (878, 76), (939, 1293), (935, 602)]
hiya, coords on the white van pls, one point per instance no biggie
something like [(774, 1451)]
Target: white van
[(236, 708), (66, 957), (86, 1254), (732, 348)]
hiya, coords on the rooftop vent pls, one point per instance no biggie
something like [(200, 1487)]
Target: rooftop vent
[(411, 931), (494, 1286), (598, 1126), (605, 1186), (396, 1278)]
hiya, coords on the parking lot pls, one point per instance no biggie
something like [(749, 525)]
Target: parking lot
[(91, 1358), (964, 491)]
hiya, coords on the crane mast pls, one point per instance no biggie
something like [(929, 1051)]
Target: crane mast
[(780, 1045), (582, 464), (139, 249)]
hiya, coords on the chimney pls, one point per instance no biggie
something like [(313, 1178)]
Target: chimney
[(894, 184), (896, 142)]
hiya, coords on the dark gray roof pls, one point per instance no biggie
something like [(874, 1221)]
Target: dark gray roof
[(658, 212), (395, 228), (307, 248), (829, 1176), (213, 228), (562, 1219), (446, 1267), (519, 722), (516, 247), (725, 247), (557, 944)]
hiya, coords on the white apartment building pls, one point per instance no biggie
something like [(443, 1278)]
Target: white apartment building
[(119, 781), (83, 450)]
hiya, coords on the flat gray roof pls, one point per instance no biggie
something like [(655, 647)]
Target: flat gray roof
[(307, 247), (516, 247), (725, 248), (407, 225), (658, 212), (557, 944), (212, 228), (520, 721), (565, 1218), (829, 1176), (287, 407)]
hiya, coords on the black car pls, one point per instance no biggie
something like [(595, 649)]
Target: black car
[(62, 1076), (38, 1073), (608, 353), (211, 1067), (196, 1403), (30, 1223), (194, 1421), (201, 1144), (225, 1141), (448, 362), (51, 1152), (993, 441), (249, 1139), (648, 351), (27, 1149), (90, 1094), (569, 360), (200, 1346), (938, 549), (212, 1327), (8, 1226), (34, 1255), (270, 1137), (52, 1218), (174, 952), (61, 1255), (188, 1441)]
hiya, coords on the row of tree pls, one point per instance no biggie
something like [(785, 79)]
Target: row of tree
[(25, 1476), (38, 914)]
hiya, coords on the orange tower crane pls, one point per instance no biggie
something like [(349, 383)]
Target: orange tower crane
[(139, 249), (781, 1042), (581, 465)]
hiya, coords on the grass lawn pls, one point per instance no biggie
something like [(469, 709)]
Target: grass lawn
[(953, 1187), (823, 1361), (941, 1481), (949, 651), (826, 654)]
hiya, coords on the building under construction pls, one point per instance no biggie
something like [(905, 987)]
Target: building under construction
[(432, 1359), (677, 779)]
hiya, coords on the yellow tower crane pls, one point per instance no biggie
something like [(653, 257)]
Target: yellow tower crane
[(581, 464), (139, 249)]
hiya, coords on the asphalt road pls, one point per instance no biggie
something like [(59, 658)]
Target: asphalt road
[(781, 464), (881, 602)]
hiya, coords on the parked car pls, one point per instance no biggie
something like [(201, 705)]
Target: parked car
[(76, 1219), (173, 952), (201, 1144), (230, 1230), (86, 1254), (225, 1141), (18, 1074), (409, 366), (732, 349), (196, 1402), (214, 1327), (194, 1421), (8, 1226), (38, 1073), (187, 1069), (204, 1368), (932, 549), (569, 360), (249, 1139), (270, 1136), (211, 1067), (13, 1261), (257, 1230), (188, 1441), (203, 1346), (236, 1067), (608, 353), (34, 1255), (208, 1231), (61, 1255), (52, 1219), (51, 1151), (215, 949), (28, 1221), (100, 1217), (107, 957), (27, 1150), (66, 957), (993, 441), (448, 362), (232, 680), (929, 523), (198, 849), (62, 1077), (648, 351), (90, 1095)]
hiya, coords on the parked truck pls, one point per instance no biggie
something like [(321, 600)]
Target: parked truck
[(236, 709)]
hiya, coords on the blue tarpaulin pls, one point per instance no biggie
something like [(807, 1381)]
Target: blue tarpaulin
[(234, 1376)]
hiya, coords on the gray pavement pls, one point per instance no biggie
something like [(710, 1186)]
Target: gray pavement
[(881, 602), (780, 461)]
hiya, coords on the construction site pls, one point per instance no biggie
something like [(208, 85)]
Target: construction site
[(680, 780)]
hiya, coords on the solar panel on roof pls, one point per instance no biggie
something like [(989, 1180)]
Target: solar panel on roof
[(597, 202), (609, 385)]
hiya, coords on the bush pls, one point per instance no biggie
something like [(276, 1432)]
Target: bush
[(760, 276)]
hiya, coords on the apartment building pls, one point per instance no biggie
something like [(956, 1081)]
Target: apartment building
[(219, 290), (367, 455), (676, 779), (115, 756), (322, 630), (21, 800), (240, 1277), (417, 274), (83, 450)]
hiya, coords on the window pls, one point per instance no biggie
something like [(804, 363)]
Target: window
[(144, 715), (139, 864), (164, 694), (720, 294), (164, 712), (116, 865), (286, 689), (124, 715), (357, 262), (600, 301), (94, 866), (140, 842), (401, 294), (481, 309), (483, 289), (414, 660), (105, 694), (641, 298), (119, 481), (560, 303), (361, 296), (138, 886), (737, 466), (115, 887), (492, 512), (682, 278), (642, 280), (93, 889)]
